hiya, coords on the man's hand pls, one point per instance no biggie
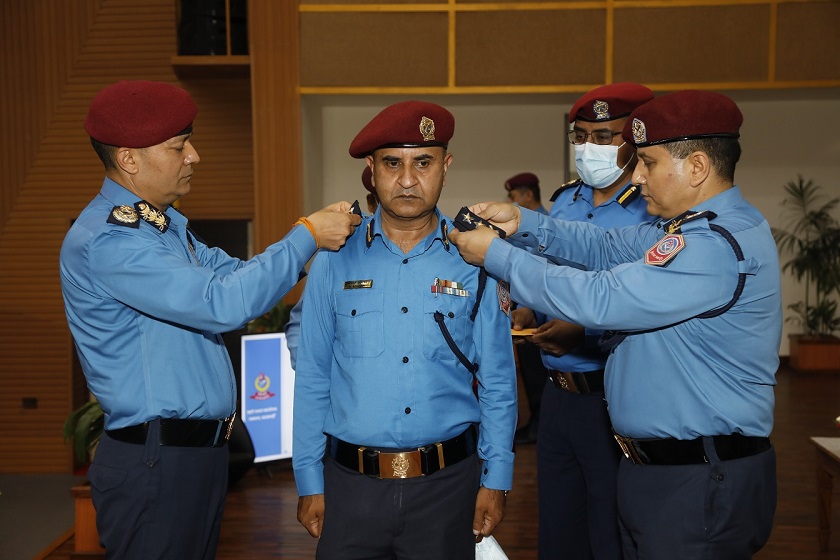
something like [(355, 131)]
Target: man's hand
[(558, 337), (473, 244), (489, 511), (522, 318), (334, 224), (501, 214), (310, 513)]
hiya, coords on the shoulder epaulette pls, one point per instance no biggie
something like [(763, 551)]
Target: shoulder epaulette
[(570, 185), (674, 224), (628, 195), (124, 216)]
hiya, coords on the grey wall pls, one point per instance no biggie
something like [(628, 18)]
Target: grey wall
[(785, 133)]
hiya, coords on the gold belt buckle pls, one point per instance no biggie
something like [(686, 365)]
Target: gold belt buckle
[(400, 465)]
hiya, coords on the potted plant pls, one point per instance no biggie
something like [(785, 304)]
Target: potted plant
[(84, 427), (810, 239)]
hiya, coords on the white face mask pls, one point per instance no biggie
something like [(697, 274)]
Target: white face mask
[(597, 165)]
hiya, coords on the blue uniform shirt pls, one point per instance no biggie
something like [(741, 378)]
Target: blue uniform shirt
[(699, 377), (575, 203), (374, 369), (146, 309)]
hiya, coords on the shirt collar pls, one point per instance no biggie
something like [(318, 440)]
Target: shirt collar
[(373, 229)]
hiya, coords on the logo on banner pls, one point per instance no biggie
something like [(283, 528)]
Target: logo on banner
[(262, 383)]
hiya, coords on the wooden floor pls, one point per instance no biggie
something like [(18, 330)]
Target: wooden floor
[(260, 520)]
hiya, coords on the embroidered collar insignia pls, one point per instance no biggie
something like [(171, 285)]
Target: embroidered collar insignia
[(152, 215)]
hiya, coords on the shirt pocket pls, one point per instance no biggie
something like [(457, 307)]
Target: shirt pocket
[(359, 322), (456, 317)]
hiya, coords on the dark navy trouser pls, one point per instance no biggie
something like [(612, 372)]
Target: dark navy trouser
[(158, 503), (421, 518), (720, 510), (577, 472)]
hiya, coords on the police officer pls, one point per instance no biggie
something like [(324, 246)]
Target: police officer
[(577, 458), (395, 328), (524, 189), (693, 303), (147, 302)]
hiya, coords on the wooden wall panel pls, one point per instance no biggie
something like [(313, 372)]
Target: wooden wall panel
[(531, 48), (692, 44), (373, 49), (57, 55), (808, 41)]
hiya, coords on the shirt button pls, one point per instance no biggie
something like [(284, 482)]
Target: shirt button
[(451, 315), (589, 216), (353, 313), (407, 410), (404, 310), (405, 359), (405, 261)]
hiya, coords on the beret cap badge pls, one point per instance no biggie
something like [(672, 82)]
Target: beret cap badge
[(427, 129), (601, 110), (639, 132)]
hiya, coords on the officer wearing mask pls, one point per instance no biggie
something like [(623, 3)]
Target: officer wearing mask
[(692, 305), (577, 459)]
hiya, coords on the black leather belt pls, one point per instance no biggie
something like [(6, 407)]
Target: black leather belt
[(422, 461), (578, 381), (689, 451), (178, 432)]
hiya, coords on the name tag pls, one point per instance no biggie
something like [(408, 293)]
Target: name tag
[(358, 284)]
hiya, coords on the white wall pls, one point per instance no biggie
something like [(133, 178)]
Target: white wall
[(785, 133)]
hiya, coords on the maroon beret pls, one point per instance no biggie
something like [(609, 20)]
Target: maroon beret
[(366, 175), (409, 124), (683, 115), (522, 180), (139, 114), (610, 102)]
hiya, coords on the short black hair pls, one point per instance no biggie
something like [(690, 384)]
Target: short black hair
[(107, 154), (723, 152)]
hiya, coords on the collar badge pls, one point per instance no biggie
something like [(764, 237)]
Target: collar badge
[(152, 215), (427, 129), (601, 109)]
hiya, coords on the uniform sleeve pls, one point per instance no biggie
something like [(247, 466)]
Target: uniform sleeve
[(496, 392), (628, 296), (292, 331), (312, 379), (143, 273)]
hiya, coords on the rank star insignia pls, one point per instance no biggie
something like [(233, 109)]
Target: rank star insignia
[(665, 250), (427, 129)]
